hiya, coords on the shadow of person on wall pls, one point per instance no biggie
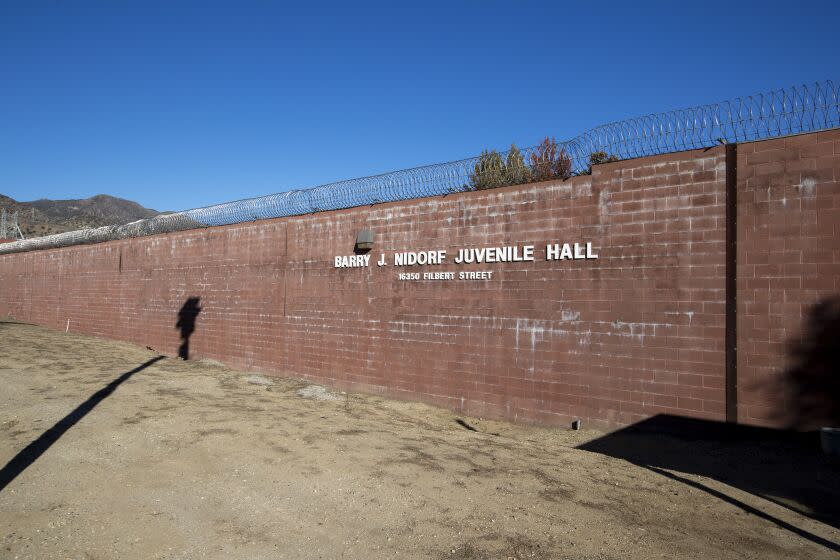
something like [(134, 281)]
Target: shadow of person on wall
[(186, 324), (812, 382)]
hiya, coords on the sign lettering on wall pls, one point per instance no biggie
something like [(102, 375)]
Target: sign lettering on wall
[(482, 255)]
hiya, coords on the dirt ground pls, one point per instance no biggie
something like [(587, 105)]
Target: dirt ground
[(105, 458)]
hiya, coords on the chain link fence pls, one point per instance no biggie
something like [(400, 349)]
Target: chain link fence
[(777, 113)]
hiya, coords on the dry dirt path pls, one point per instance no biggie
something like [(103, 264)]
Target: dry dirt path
[(194, 460)]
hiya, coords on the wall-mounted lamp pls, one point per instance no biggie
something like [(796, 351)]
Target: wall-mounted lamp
[(364, 240)]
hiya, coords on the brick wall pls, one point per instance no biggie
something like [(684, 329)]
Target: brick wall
[(788, 259), (637, 332)]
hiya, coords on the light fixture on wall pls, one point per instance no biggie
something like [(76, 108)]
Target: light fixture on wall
[(364, 241)]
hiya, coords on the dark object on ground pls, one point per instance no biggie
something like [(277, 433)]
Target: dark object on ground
[(830, 439)]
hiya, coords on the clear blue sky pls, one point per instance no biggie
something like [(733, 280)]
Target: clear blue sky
[(178, 104)]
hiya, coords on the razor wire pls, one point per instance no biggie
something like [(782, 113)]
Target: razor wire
[(794, 110)]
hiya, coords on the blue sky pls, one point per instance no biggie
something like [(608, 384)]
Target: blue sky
[(180, 104)]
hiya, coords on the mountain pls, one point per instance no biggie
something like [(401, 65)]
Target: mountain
[(45, 217)]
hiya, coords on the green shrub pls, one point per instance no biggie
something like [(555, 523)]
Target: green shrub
[(488, 172), (547, 161), (599, 157), (516, 171)]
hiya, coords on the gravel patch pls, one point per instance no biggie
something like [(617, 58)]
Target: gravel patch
[(259, 380), (317, 392)]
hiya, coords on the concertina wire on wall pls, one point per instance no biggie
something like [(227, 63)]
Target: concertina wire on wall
[(783, 112)]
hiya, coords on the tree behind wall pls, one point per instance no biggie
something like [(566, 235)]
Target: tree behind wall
[(491, 171), (550, 161), (488, 172), (516, 171), (596, 158), (547, 161)]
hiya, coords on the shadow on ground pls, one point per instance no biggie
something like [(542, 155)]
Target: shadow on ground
[(786, 468), (31, 452)]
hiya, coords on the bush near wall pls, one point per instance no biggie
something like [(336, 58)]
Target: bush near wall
[(596, 158), (550, 161), (547, 161)]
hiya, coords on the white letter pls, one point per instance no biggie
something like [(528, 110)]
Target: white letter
[(566, 253), (528, 253)]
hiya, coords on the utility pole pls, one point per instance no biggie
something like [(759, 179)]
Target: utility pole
[(16, 226), (8, 229)]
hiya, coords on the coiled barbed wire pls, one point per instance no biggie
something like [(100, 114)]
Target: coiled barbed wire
[(782, 112)]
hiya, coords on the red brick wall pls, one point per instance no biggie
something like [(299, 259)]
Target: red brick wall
[(788, 259), (637, 332)]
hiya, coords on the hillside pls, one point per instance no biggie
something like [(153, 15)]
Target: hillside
[(45, 217)]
